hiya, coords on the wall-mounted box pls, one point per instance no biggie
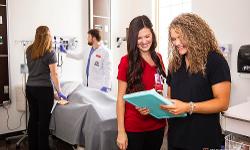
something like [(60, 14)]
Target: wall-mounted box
[(243, 62)]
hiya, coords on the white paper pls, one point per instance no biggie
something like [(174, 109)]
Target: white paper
[(54, 106)]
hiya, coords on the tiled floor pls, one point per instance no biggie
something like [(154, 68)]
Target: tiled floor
[(55, 144)]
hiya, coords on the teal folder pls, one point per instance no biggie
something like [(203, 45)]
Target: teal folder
[(152, 100)]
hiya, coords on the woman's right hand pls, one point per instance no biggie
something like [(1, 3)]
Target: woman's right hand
[(122, 140), (61, 96)]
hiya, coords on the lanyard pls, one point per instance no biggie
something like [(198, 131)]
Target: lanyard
[(88, 64)]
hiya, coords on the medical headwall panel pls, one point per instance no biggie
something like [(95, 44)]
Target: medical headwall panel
[(4, 76), (3, 30), (99, 18), (3, 2)]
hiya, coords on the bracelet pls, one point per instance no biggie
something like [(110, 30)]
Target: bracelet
[(192, 106)]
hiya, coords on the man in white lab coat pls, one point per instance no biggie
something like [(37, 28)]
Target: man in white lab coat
[(98, 61)]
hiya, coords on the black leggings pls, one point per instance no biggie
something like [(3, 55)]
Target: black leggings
[(40, 103), (150, 140), (174, 148)]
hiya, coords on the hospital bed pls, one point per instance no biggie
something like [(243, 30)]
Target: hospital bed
[(89, 119)]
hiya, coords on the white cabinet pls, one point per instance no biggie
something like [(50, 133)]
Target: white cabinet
[(237, 119)]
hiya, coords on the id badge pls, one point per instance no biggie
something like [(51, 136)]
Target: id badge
[(158, 83)]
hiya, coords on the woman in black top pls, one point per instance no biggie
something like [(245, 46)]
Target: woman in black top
[(199, 84), (41, 60)]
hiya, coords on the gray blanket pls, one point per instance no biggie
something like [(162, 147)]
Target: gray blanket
[(89, 119)]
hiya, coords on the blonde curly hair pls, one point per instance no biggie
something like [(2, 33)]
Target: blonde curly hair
[(199, 40)]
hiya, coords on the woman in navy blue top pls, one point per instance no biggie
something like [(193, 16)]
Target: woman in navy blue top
[(199, 84)]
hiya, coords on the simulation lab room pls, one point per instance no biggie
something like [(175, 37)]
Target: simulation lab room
[(124, 75)]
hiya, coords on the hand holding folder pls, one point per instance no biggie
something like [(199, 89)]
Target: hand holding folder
[(151, 100)]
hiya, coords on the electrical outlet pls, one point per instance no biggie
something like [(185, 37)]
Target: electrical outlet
[(6, 89), (6, 102)]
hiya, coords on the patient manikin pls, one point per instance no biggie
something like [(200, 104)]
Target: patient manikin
[(61, 98), (98, 61)]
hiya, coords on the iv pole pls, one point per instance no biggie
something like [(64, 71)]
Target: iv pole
[(24, 71)]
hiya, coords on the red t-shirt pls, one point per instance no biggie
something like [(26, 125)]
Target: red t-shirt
[(134, 121)]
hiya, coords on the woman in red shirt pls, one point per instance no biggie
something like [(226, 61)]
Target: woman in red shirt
[(137, 130)]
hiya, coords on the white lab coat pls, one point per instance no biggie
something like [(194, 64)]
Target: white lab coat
[(100, 67)]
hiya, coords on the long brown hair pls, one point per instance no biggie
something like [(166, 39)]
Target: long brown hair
[(199, 38), (135, 69), (42, 43)]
